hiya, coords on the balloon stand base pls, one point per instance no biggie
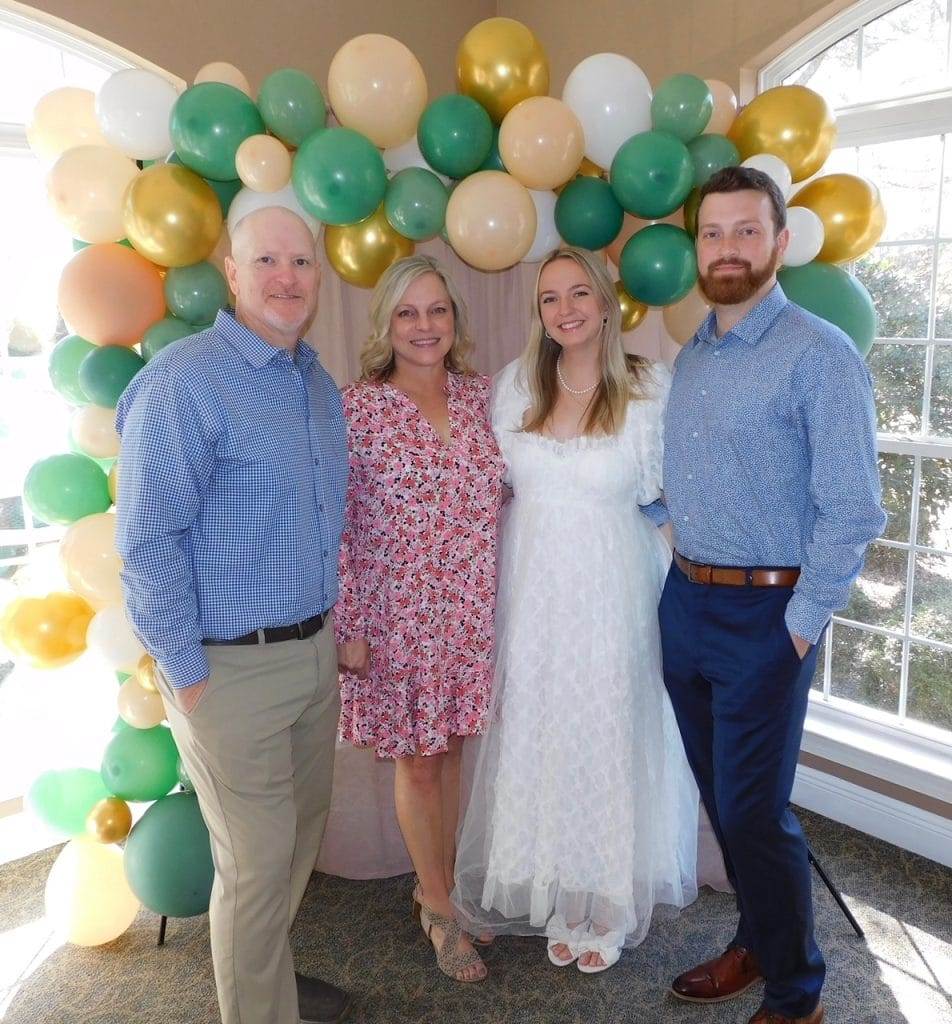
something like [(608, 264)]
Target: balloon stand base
[(162, 925)]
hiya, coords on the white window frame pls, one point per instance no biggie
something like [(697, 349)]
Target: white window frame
[(908, 754)]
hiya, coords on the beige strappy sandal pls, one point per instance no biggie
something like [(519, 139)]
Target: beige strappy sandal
[(450, 959)]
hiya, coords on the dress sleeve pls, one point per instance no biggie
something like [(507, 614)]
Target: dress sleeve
[(649, 434), (350, 611), (507, 405)]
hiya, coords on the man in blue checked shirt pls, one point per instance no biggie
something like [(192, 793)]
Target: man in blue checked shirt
[(772, 488), (233, 473)]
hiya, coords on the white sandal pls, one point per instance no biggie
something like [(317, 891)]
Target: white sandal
[(604, 946), (559, 933)]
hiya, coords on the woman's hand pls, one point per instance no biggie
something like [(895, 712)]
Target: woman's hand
[(354, 657)]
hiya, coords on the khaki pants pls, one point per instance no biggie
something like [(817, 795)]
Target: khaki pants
[(259, 749)]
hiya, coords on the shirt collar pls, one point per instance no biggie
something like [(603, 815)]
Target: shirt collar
[(252, 346), (752, 328)]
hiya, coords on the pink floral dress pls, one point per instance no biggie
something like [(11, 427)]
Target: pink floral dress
[(418, 567)]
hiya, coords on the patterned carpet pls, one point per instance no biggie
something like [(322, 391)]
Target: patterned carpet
[(360, 935)]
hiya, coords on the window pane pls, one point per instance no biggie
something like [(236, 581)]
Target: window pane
[(899, 278), (895, 472), (817, 683), (945, 225), (898, 372), (930, 686), (935, 504), (943, 290), (866, 668), (879, 595), (841, 161), (834, 73), (932, 597), (907, 176), (905, 51), (940, 409)]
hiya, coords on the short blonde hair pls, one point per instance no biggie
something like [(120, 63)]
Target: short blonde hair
[(376, 357), (622, 375)]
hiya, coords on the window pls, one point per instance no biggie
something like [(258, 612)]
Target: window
[(885, 68)]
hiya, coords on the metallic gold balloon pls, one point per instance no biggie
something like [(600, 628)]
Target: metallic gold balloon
[(145, 673), (632, 311), (499, 63), (851, 211), (171, 215), (790, 121), (361, 252), (109, 821), (586, 170), (113, 482), (49, 631)]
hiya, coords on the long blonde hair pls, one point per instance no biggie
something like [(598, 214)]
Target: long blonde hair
[(376, 356), (622, 375)]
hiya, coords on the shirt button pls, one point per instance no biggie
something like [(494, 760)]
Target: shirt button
[(324, 552), (686, 518), (690, 476), (694, 434), (703, 391), (320, 508)]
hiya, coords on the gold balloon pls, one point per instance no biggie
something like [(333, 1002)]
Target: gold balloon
[(113, 482), (145, 673), (790, 121), (586, 170), (632, 311), (109, 821), (49, 631), (500, 63), (851, 211), (171, 215), (691, 205), (361, 252)]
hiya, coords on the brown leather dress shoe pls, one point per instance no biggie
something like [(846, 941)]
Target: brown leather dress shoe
[(717, 980), (765, 1016)]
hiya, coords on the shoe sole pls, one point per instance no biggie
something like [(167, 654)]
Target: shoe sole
[(715, 999)]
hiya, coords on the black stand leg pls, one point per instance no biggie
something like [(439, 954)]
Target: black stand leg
[(835, 893), (165, 921)]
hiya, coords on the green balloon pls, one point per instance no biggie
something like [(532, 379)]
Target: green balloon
[(64, 367), (415, 203), (339, 176), (587, 213), (455, 135), (168, 858), (658, 265), (829, 292), (682, 106), (64, 488), (195, 293), (139, 764), (652, 174), (62, 799), (710, 154), (106, 371), (78, 244), (208, 123), (493, 161), (120, 725), (167, 330), (292, 105)]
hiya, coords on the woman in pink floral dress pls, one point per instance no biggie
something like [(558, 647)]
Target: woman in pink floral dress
[(418, 563)]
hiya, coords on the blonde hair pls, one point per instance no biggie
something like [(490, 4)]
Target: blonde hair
[(622, 375), (376, 357)]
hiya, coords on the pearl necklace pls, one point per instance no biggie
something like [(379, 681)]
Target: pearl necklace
[(571, 391)]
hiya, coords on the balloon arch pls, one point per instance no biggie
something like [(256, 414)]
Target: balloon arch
[(145, 179)]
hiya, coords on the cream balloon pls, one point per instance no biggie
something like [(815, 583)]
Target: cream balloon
[(611, 97), (133, 107), (138, 707), (111, 638), (62, 119), (491, 220), (725, 107), (93, 431), (377, 87), (774, 168), (222, 71), (546, 234), (85, 188), (263, 163), (398, 158), (88, 900), (682, 318), (806, 236), (90, 561), (541, 142), (247, 201)]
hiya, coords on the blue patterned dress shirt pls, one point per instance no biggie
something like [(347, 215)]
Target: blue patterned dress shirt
[(232, 480), (770, 454)]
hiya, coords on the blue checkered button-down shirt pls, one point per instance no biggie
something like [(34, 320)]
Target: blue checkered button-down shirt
[(770, 454), (232, 480)]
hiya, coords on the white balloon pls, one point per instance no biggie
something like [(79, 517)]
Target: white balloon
[(547, 235), (93, 431), (399, 158), (110, 636), (774, 168), (247, 201), (806, 236), (611, 96), (133, 108)]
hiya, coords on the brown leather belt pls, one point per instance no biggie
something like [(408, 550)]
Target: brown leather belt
[(729, 576)]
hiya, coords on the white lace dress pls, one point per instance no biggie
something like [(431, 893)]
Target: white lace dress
[(583, 814)]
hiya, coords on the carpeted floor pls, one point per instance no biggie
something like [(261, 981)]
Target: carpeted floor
[(360, 935)]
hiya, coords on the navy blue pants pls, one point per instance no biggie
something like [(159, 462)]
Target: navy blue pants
[(739, 691)]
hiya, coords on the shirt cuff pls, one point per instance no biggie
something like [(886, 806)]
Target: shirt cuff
[(657, 512), (805, 618), (186, 668)]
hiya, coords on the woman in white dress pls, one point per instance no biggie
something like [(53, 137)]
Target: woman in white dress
[(583, 814)]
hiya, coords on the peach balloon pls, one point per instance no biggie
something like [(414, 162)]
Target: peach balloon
[(376, 86), (222, 71), (139, 707), (263, 163), (62, 119), (682, 318), (541, 142), (90, 560), (85, 188), (93, 430), (491, 220), (632, 224), (110, 295), (725, 107)]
